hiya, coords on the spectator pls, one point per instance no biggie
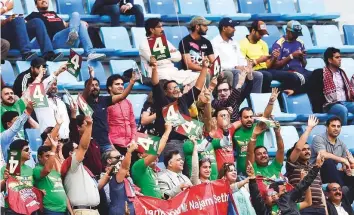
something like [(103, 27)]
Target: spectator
[(120, 116), (195, 47), (99, 105), (256, 49), (298, 158), (5, 46), (240, 193), (26, 177), (63, 34), (172, 181), (25, 32), (166, 67), (148, 117), (335, 151), (117, 7), (337, 89), (169, 94), (278, 200), (80, 185), (339, 200), (291, 61), (49, 180), (230, 55), (242, 135), (231, 98), (259, 157), (13, 124), (144, 170)]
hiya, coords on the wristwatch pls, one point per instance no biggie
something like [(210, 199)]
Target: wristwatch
[(291, 56)]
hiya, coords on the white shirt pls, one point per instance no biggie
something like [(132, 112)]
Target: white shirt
[(46, 118), (340, 209), (229, 53), (340, 88)]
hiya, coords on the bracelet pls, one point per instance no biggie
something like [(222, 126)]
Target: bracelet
[(291, 56)]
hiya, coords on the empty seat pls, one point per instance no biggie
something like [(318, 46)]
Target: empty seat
[(137, 101), (226, 8), (99, 72), (196, 7), (117, 38), (18, 9), (257, 10), (8, 73), (316, 8), (22, 66), (348, 66), (70, 6), (138, 34), (240, 33), (175, 34), (329, 36), (347, 136), (287, 10), (167, 10), (314, 63), (348, 34), (273, 36), (212, 32), (290, 136), (319, 129), (301, 106), (259, 102), (34, 139), (65, 79)]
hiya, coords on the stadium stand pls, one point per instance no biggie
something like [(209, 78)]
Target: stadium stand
[(257, 10), (316, 8), (348, 34), (8, 73), (287, 10), (226, 8)]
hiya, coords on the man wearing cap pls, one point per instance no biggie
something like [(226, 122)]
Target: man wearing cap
[(230, 55), (291, 58), (256, 49), (194, 47)]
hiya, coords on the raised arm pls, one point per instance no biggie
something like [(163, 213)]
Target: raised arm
[(259, 129), (279, 156), (120, 97), (51, 160), (311, 123), (154, 74), (86, 92), (308, 195), (85, 140), (55, 131), (268, 110), (203, 73), (74, 133), (124, 168), (195, 165), (205, 98)]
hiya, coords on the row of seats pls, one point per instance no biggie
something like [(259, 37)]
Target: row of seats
[(212, 9), (118, 43)]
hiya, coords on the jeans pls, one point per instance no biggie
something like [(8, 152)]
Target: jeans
[(341, 110), (267, 80), (15, 32), (75, 24), (257, 80), (49, 212), (330, 174), (313, 211), (114, 12), (36, 28), (5, 46), (289, 79)]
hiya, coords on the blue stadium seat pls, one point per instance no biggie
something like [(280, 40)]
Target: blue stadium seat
[(290, 136), (348, 66), (259, 102), (314, 63), (316, 8), (347, 136), (22, 66), (329, 36), (287, 10), (65, 79), (70, 6), (269, 142), (167, 10), (273, 36), (301, 106), (99, 72), (257, 10), (240, 33), (18, 9), (117, 38), (226, 8), (175, 34), (319, 129), (348, 34), (196, 8), (138, 34), (8, 73), (137, 101), (212, 32), (34, 138)]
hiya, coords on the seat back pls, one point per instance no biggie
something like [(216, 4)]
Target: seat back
[(273, 36), (347, 136), (306, 36), (8, 73), (319, 129), (163, 7), (259, 102), (299, 104), (212, 32), (222, 7), (348, 66), (290, 136), (137, 101), (251, 6), (240, 33), (138, 34), (327, 36), (22, 66), (175, 34), (192, 7), (281, 6), (311, 6), (119, 66), (314, 63), (18, 8), (348, 34), (34, 138), (115, 37), (70, 6), (99, 71)]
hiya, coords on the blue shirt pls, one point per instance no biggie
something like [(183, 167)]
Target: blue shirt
[(118, 197), (286, 48)]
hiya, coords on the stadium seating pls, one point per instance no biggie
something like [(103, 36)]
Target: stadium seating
[(319, 129), (138, 34), (287, 10), (99, 72), (18, 9), (117, 39), (314, 63), (70, 6), (348, 34), (175, 34), (8, 73), (257, 10), (289, 135), (269, 142), (196, 8), (167, 10), (316, 8), (34, 138), (240, 33), (273, 36), (347, 136), (348, 66), (22, 66), (212, 32), (226, 8), (259, 102), (137, 101)]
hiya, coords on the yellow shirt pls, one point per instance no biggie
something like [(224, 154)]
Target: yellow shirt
[(255, 51)]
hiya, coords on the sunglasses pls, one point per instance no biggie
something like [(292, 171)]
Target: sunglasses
[(26, 150), (335, 189), (223, 90), (271, 193), (119, 157)]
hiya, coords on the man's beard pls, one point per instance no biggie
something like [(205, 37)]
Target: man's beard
[(202, 33), (95, 94), (8, 104), (43, 8)]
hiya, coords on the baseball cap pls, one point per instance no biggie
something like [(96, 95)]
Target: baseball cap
[(294, 27), (199, 20), (260, 26), (225, 22), (38, 62)]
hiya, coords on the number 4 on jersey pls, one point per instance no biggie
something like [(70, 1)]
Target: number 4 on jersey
[(74, 63)]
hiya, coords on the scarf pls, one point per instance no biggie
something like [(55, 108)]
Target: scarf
[(329, 88)]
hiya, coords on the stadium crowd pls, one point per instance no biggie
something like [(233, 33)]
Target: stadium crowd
[(92, 164)]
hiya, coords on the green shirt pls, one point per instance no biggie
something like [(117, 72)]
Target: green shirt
[(241, 139), (209, 152), (18, 107), (271, 171), (145, 178), (26, 177), (55, 197), (275, 209)]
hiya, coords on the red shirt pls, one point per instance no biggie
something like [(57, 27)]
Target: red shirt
[(224, 155)]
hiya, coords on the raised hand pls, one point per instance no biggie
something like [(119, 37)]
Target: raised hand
[(312, 122), (132, 147), (168, 127), (73, 109), (52, 141), (319, 160), (259, 128), (274, 95), (91, 71), (153, 62), (303, 173), (205, 62), (277, 127), (58, 117), (213, 83), (250, 170), (29, 107), (88, 120), (62, 68)]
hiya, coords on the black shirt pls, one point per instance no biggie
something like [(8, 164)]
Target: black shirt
[(51, 20), (161, 100), (196, 49), (150, 128)]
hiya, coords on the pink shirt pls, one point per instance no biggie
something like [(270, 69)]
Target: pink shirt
[(121, 123)]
